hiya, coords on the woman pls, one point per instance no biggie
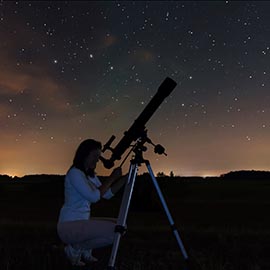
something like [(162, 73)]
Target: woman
[(75, 228)]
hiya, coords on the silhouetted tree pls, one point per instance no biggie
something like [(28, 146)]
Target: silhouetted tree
[(161, 174), (5, 177), (244, 175)]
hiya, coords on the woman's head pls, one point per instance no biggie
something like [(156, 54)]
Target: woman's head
[(87, 156)]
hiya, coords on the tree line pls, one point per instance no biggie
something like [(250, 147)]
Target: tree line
[(235, 175)]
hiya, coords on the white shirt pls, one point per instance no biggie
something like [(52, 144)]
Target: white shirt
[(80, 192)]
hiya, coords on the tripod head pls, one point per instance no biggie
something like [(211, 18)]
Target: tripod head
[(138, 131), (139, 148)]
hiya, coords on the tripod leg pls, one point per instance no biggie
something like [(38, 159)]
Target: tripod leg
[(121, 220), (174, 229)]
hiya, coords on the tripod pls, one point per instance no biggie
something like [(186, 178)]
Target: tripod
[(121, 221)]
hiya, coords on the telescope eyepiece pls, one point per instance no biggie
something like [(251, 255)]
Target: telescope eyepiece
[(108, 163)]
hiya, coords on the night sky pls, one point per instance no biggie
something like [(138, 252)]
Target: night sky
[(76, 70)]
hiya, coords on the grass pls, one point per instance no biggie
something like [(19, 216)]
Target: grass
[(223, 227), (36, 246)]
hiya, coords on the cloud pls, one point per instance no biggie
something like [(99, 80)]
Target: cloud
[(27, 84), (145, 56), (33, 88), (4, 110), (109, 41)]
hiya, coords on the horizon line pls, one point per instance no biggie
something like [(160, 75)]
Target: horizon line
[(165, 175)]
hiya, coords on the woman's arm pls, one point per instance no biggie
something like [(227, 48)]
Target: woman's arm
[(77, 180), (117, 172), (118, 184)]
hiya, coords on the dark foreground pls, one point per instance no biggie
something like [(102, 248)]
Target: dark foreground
[(224, 226)]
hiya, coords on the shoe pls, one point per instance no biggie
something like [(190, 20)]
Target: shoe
[(74, 256), (87, 256)]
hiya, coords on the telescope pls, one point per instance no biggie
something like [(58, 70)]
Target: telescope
[(138, 133), (138, 129)]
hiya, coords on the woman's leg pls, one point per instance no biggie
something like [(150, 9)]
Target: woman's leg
[(87, 234), (114, 220), (86, 252)]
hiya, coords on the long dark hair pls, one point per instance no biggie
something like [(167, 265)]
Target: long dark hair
[(82, 153)]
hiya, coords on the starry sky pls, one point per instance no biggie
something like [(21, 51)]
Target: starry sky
[(75, 70)]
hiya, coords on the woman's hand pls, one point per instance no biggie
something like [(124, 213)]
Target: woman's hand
[(116, 174), (115, 187)]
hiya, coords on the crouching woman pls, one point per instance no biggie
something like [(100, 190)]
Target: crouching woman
[(80, 232)]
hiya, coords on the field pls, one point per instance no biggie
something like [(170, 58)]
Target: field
[(224, 224)]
